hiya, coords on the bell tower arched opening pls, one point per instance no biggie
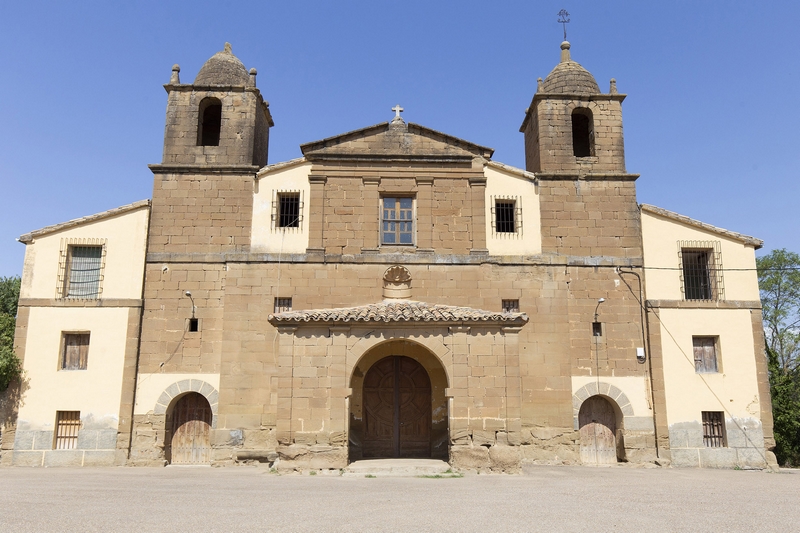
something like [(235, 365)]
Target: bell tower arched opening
[(209, 122), (582, 132), (398, 407)]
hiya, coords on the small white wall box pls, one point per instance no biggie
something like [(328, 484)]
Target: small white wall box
[(640, 355)]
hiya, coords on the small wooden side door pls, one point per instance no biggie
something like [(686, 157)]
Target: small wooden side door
[(597, 422), (191, 431)]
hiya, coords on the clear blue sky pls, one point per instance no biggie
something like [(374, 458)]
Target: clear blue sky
[(712, 118)]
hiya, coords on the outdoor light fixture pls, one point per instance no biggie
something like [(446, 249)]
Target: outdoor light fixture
[(601, 300), (189, 294)]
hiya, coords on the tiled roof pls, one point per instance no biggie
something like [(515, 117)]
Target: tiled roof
[(28, 237), (744, 239), (399, 311)]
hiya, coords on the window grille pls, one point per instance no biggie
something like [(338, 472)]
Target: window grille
[(283, 304), (80, 272), (705, 354), (511, 306), (713, 429), (287, 210), (68, 423), (506, 216), (701, 270), (397, 222), (75, 351)]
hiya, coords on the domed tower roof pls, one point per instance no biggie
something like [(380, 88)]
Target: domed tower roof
[(223, 68), (569, 77)]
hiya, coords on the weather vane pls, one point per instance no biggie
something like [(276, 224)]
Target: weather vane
[(562, 19)]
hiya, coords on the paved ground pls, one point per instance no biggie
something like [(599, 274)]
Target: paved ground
[(242, 499)]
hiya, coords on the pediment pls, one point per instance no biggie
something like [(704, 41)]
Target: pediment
[(395, 141)]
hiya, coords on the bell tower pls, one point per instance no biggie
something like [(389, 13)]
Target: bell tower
[(570, 126), (215, 140), (574, 145)]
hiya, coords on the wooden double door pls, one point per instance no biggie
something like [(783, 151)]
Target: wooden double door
[(598, 427), (191, 431), (397, 409)]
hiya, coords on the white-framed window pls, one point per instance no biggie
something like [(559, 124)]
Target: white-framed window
[(701, 270), (287, 210), (397, 220), (80, 272), (506, 216)]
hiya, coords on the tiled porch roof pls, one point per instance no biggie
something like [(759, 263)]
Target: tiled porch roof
[(399, 311)]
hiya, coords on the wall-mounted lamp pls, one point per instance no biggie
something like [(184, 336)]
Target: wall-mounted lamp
[(601, 300), (189, 294)]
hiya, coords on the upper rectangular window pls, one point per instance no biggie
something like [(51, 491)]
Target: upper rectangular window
[(283, 305), (397, 221), (506, 215), (81, 268), (701, 270), (705, 354), (75, 351), (287, 209), (510, 306)]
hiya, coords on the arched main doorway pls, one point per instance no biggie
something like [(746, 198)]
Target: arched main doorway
[(598, 429), (397, 409), (190, 442), (398, 406)]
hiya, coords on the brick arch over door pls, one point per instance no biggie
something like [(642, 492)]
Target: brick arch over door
[(184, 386), (603, 389)]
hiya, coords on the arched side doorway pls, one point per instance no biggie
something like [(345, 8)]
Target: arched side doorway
[(190, 431), (398, 406), (598, 429), (397, 409)]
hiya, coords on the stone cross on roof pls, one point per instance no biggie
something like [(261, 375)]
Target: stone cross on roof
[(397, 110)]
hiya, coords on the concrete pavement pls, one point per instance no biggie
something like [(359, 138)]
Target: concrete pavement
[(545, 498)]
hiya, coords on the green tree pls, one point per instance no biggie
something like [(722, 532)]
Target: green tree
[(779, 282), (10, 366)]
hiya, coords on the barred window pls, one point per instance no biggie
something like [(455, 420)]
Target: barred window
[(506, 216), (511, 306), (81, 271), (283, 304), (288, 210), (713, 429), (701, 270), (397, 222), (705, 354), (68, 423), (75, 351)]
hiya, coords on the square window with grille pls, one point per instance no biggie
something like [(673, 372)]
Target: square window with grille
[(713, 429), (705, 354), (511, 306), (75, 351), (701, 270), (289, 210), (68, 423), (506, 216), (283, 304), (81, 271), (397, 221)]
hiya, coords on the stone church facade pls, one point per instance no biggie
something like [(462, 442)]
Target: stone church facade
[(394, 292)]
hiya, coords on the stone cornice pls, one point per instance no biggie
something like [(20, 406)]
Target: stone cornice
[(161, 168), (420, 257), (74, 302), (703, 304)]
